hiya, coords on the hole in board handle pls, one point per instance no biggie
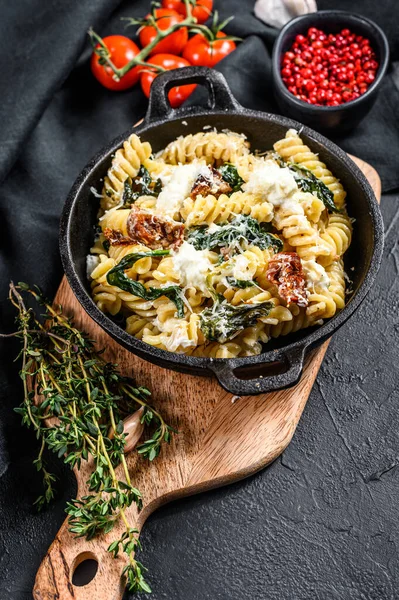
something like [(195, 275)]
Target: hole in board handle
[(84, 569)]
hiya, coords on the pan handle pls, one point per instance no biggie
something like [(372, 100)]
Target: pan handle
[(219, 94), (225, 374)]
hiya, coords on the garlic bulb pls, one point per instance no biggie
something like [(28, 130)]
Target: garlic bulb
[(278, 12), (133, 428)]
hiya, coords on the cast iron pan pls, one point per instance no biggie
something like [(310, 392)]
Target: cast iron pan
[(281, 363)]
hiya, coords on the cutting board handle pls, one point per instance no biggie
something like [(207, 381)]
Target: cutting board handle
[(54, 579)]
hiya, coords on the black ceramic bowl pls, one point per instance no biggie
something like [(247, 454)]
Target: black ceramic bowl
[(340, 118), (281, 363)]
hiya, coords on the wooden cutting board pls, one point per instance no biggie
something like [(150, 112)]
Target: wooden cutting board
[(221, 439)]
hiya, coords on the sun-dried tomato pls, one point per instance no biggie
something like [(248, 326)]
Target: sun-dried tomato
[(153, 231), (115, 237), (213, 184), (285, 271)]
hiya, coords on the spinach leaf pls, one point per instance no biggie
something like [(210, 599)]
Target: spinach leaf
[(308, 182), (239, 283), (118, 277), (141, 185), (157, 189), (221, 321), (230, 174), (241, 229)]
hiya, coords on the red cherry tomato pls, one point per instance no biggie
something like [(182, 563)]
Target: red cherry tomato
[(173, 43), (201, 11), (121, 50), (200, 52), (177, 95)]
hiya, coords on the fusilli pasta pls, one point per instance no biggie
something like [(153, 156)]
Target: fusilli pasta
[(210, 145), (126, 163), (211, 250)]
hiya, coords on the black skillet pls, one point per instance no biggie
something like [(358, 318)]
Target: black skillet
[(280, 364)]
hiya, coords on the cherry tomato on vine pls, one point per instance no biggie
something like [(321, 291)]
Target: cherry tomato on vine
[(173, 43), (121, 50), (199, 51), (178, 94), (201, 10)]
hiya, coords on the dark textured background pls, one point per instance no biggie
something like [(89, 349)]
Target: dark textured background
[(322, 521)]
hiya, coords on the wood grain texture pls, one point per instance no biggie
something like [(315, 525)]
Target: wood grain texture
[(219, 441)]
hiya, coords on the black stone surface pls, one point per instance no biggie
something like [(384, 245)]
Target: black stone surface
[(322, 521)]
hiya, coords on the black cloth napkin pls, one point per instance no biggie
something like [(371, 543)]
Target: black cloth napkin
[(53, 117)]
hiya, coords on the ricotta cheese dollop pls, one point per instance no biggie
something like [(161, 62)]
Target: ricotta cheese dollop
[(91, 263), (273, 183), (192, 266), (178, 187), (316, 276)]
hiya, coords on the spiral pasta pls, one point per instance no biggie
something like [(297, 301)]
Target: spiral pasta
[(175, 335), (126, 163), (214, 250), (293, 149), (218, 350), (210, 145), (207, 210), (115, 219), (337, 235)]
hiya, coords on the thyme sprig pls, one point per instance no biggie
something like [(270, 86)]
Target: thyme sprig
[(73, 399)]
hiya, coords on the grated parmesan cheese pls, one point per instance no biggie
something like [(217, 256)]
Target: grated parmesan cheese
[(241, 268), (95, 193), (179, 339), (213, 227)]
